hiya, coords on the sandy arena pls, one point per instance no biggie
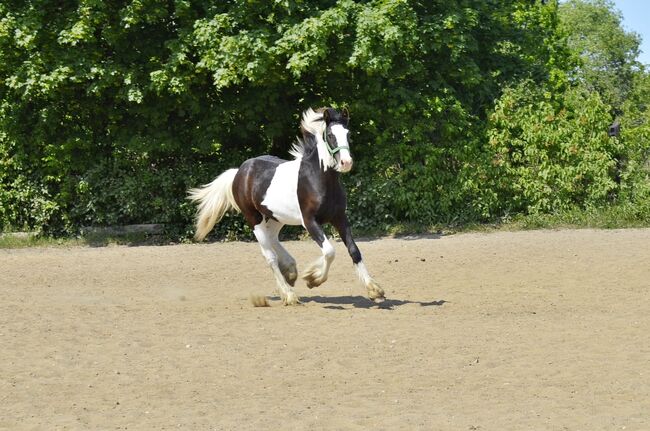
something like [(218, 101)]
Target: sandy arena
[(543, 330)]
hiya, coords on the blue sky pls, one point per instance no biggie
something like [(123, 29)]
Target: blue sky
[(636, 17)]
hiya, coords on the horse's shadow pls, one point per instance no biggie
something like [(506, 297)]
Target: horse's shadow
[(338, 302)]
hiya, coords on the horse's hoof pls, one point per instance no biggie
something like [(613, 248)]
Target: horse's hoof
[(312, 283), (291, 299), (312, 280), (375, 292)]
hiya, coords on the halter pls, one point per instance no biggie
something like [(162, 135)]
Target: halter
[(331, 150)]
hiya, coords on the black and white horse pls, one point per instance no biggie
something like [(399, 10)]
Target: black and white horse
[(271, 192)]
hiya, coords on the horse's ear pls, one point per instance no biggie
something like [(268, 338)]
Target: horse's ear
[(326, 116), (345, 113)]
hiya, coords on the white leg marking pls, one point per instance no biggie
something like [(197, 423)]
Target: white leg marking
[(318, 271), (286, 262), (265, 237), (374, 291)]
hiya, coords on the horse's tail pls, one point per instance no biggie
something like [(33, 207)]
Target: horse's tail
[(214, 200)]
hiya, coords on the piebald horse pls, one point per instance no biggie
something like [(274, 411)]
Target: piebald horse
[(271, 192)]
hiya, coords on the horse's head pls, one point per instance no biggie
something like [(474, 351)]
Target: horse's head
[(335, 136)]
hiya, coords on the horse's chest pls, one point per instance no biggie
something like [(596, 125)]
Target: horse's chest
[(281, 197)]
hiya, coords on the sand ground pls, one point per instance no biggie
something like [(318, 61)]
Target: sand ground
[(542, 330)]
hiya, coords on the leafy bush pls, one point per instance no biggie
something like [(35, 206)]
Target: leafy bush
[(550, 156), (635, 135), (25, 202)]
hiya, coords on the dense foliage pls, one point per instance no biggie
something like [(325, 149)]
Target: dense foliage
[(543, 161), (463, 110), (607, 51)]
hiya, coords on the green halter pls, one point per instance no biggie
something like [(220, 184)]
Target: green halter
[(331, 150)]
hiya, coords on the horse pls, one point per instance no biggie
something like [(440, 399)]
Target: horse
[(272, 192)]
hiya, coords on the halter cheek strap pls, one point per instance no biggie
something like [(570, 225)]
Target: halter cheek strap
[(331, 150)]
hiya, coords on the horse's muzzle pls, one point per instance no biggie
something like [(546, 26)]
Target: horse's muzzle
[(346, 165)]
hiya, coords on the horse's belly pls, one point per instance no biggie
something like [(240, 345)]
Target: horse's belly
[(282, 195)]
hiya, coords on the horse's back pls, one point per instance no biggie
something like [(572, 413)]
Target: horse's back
[(266, 160)]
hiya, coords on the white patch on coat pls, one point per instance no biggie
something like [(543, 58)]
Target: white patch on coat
[(282, 195)]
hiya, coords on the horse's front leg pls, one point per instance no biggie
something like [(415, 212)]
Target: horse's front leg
[(316, 273), (342, 225)]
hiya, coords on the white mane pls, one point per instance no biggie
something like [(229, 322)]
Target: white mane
[(313, 123), (297, 149)]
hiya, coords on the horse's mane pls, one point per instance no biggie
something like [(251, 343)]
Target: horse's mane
[(312, 123)]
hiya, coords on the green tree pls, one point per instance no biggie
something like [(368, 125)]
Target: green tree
[(608, 53), (635, 133), (110, 110)]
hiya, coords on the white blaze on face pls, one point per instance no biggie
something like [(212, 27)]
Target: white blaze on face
[(345, 159)]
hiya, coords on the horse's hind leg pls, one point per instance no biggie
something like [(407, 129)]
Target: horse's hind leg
[(286, 262), (267, 237)]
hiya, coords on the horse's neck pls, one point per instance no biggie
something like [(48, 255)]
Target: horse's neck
[(321, 178)]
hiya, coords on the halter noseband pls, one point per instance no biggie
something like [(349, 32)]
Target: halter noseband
[(331, 150)]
